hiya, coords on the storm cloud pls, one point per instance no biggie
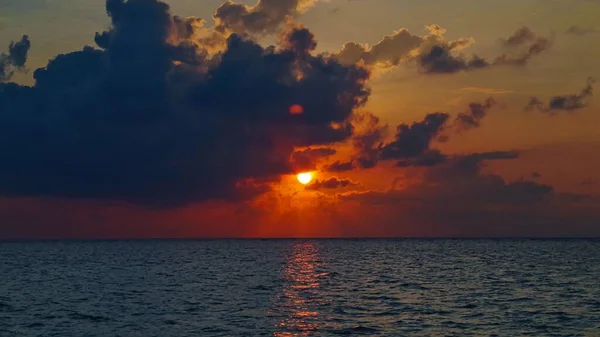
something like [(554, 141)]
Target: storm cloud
[(150, 118)]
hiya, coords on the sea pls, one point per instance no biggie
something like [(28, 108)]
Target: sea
[(361, 287)]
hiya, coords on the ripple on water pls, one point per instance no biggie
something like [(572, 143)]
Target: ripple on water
[(300, 288)]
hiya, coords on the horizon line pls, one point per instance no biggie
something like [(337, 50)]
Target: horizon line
[(91, 239)]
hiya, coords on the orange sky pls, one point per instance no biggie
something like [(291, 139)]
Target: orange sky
[(516, 173)]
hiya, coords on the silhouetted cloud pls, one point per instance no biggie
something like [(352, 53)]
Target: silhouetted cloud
[(521, 36), (440, 58), (477, 111), (413, 140), (538, 46), (152, 118), (566, 103), (330, 183), (307, 159), (340, 166), (453, 182), (15, 59), (457, 193), (580, 31), (471, 163)]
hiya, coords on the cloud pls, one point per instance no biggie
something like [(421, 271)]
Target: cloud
[(264, 17), (411, 146), (457, 198), (340, 166), (538, 46), (521, 36), (460, 180), (390, 51), (152, 118), (477, 111), (413, 140), (471, 163), (440, 58), (307, 159), (565, 103), (331, 183), (580, 31), (15, 59), (436, 55)]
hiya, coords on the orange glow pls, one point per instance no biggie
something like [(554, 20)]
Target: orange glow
[(296, 109), (305, 177), (302, 279)]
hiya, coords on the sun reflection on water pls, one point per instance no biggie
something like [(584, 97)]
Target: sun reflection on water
[(301, 296)]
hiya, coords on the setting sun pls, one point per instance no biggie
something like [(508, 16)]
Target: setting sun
[(305, 178)]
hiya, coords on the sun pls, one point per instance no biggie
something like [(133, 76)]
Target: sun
[(305, 177)]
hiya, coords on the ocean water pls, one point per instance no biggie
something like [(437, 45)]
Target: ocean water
[(300, 288)]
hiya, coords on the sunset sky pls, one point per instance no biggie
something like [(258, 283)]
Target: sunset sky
[(432, 118)]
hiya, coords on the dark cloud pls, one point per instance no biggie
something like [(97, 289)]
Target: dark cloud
[(15, 59), (331, 183), (521, 36), (340, 166), (307, 159), (264, 17), (580, 31), (440, 58), (458, 198), (413, 140), (150, 118), (566, 103), (461, 180), (538, 46), (477, 111), (471, 163)]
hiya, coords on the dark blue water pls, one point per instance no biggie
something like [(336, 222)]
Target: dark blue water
[(300, 288)]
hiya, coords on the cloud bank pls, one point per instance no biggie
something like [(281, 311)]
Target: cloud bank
[(149, 117)]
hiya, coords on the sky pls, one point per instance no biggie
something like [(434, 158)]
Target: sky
[(144, 119)]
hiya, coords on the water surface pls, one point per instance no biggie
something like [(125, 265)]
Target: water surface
[(300, 288)]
